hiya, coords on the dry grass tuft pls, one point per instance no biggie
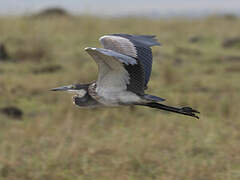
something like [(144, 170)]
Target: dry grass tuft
[(32, 49)]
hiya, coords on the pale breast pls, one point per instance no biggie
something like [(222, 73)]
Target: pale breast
[(113, 98)]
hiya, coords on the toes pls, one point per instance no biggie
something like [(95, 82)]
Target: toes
[(189, 109)]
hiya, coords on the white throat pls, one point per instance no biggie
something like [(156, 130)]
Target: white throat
[(81, 92)]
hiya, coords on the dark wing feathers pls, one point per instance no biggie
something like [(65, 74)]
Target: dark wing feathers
[(140, 40), (138, 47), (136, 81), (145, 57), (143, 44)]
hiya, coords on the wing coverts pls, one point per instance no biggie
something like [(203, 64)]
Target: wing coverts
[(137, 46)]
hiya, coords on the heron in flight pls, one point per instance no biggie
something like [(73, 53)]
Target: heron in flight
[(124, 69)]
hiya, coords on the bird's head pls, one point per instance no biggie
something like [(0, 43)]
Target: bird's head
[(81, 97)]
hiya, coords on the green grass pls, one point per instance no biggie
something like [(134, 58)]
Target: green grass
[(57, 141)]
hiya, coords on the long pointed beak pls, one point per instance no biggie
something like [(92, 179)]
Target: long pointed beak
[(62, 88)]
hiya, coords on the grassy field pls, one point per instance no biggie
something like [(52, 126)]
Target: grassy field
[(54, 140)]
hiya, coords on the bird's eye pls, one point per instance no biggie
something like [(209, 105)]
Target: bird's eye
[(73, 86)]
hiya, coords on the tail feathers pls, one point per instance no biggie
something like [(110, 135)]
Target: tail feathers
[(188, 111), (149, 97)]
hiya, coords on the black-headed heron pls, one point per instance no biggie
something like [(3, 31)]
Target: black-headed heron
[(125, 66)]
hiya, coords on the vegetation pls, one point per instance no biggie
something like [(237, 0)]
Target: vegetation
[(54, 140)]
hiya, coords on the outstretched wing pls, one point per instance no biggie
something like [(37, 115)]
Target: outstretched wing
[(116, 71), (136, 46)]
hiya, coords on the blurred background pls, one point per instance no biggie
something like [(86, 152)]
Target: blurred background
[(44, 136)]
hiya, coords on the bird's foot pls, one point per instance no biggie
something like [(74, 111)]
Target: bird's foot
[(190, 111)]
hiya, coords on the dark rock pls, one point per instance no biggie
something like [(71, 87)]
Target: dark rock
[(231, 58), (201, 151), (187, 51), (3, 53), (12, 112), (5, 171), (194, 39), (37, 51), (233, 69), (230, 17), (56, 11), (203, 89), (231, 42), (47, 69), (178, 61)]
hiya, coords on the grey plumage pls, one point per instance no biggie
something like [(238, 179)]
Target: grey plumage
[(143, 46), (124, 69), (142, 50), (119, 57)]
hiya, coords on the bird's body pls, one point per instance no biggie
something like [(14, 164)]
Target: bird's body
[(125, 65), (112, 98)]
